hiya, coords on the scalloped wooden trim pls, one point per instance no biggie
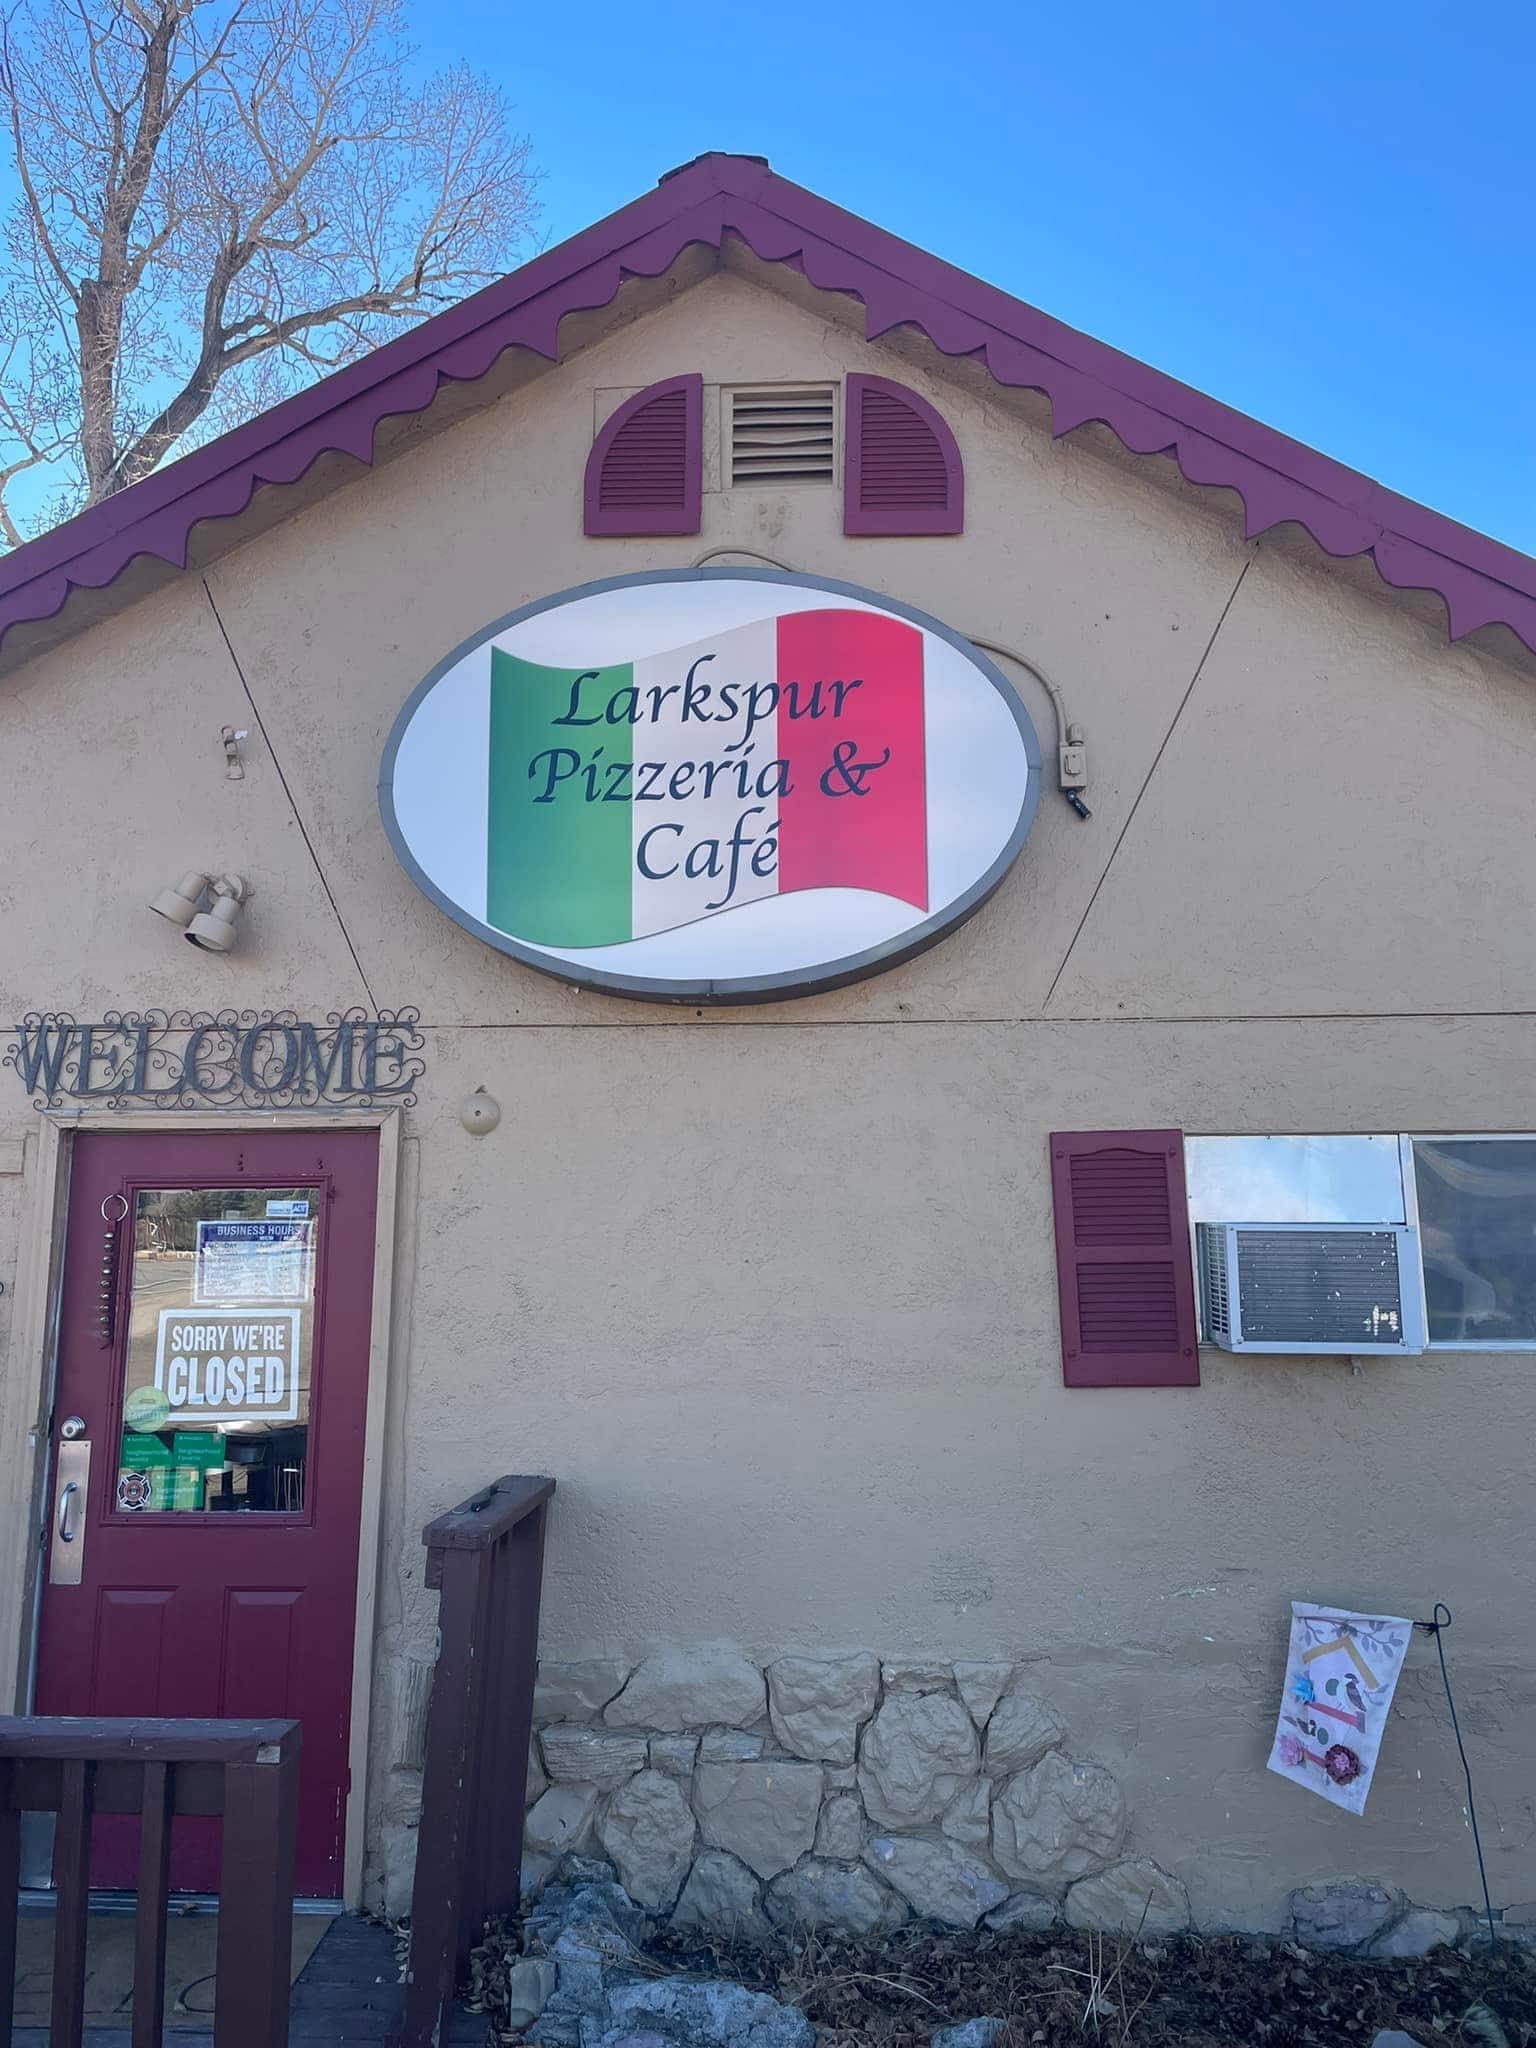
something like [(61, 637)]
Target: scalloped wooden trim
[(1480, 581)]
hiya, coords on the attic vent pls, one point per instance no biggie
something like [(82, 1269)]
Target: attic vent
[(781, 434)]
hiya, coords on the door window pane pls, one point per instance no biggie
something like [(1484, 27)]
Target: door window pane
[(1477, 1220), (217, 1373)]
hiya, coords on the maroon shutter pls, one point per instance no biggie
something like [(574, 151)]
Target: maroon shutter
[(1123, 1260), (646, 470), (901, 469)]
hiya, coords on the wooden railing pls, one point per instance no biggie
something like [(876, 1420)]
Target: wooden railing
[(486, 1558), (245, 1771)]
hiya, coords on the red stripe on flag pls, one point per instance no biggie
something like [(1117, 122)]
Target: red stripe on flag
[(829, 837)]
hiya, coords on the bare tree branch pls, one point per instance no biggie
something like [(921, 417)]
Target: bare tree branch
[(217, 200)]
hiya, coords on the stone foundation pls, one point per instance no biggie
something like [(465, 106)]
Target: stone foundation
[(832, 1791)]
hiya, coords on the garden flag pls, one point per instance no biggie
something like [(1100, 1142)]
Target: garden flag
[(1339, 1680)]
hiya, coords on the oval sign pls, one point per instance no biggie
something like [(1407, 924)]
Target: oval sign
[(711, 785)]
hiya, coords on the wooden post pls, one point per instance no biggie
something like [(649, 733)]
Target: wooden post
[(522, 1578), (149, 1908), (72, 1876), (254, 1958), (486, 1560), (10, 1893), (447, 1794)]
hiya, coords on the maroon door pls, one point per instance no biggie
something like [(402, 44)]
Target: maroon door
[(208, 1453)]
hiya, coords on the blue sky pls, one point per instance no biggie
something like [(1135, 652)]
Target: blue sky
[(1325, 215)]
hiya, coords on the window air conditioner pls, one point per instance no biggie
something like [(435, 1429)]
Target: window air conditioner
[(1327, 1287)]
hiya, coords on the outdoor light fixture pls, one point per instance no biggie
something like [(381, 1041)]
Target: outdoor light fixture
[(215, 930), (182, 903)]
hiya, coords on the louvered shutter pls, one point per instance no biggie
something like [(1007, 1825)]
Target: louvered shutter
[(645, 472), (1123, 1261), (902, 472)]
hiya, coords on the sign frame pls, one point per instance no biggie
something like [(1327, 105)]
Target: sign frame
[(758, 988)]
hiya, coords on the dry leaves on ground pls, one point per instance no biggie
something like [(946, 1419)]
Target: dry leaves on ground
[(1064, 1989)]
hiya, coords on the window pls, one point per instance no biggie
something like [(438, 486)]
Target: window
[(1467, 1204), (1337, 1178), (216, 1378), (1477, 1225)]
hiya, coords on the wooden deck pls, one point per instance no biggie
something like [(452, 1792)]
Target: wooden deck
[(348, 1992)]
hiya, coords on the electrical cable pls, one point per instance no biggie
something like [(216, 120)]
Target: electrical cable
[(709, 555), (1065, 731), (1051, 689), (1434, 1628)]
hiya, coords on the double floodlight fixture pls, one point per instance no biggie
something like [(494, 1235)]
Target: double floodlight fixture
[(214, 930)]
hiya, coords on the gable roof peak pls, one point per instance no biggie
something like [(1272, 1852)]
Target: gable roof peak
[(718, 195), (713, 156)]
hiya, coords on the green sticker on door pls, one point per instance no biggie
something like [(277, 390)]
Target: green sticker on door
[(203, 1448), (147, 1408), (140, 1453)]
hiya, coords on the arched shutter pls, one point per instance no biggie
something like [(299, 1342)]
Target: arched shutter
[(902, 472), (645, 472), (1124, 1265)]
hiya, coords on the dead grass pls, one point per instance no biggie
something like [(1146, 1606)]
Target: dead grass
[(1072, 1990), (1066, 1989), (1105, 2012)]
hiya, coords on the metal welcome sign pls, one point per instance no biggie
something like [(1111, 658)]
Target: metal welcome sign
[(711, 785), (189, 1059)]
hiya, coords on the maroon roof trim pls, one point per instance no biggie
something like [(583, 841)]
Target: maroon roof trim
[(1481, 581)]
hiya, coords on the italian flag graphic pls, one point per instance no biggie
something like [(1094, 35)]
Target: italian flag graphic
[(637, 797)]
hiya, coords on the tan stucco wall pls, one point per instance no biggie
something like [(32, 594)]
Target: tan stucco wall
[(771, 1293)]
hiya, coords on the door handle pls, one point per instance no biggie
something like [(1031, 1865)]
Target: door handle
[(66, 1566)]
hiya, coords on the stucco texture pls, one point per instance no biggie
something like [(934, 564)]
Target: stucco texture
[(772, 1293)]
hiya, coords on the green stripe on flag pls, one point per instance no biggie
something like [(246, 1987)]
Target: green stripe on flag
[(558, 873)]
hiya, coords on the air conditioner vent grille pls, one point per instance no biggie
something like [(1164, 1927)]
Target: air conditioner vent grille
[(1320, 1287), (782, 434), (1215, 1295)]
